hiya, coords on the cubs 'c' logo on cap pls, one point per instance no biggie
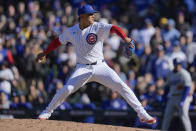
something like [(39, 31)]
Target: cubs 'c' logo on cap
[(91, 38)]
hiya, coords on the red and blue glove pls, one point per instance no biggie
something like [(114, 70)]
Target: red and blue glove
[(129, 49), (131, 46)]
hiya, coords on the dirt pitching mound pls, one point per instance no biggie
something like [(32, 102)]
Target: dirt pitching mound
[(52, 125)]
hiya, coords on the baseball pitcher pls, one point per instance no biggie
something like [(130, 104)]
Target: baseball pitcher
[(179, 82), (87, 38)]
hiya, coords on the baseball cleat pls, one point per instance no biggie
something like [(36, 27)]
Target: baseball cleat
[(152, 121), (146, 118), (44, 115)]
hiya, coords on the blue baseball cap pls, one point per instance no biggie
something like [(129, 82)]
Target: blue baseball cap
[(86, 9), (177, 61), (176, 43), (147, 21), (171, 22)]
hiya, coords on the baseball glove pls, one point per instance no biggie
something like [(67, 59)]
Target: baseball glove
[(129, 49), (41, 58)]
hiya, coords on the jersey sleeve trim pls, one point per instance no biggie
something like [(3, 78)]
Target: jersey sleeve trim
[(52, 46), (118, 31)]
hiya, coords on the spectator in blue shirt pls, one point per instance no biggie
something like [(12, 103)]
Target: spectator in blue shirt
[(15, 101), (183, 43), (131, 82), (147, 60), (85, 103), (65, 106), (139, 49), (161, 64), (172, 34), (115, 102), (23, 104), (168, 48), (151, 93), (144, 101), (159, 95)]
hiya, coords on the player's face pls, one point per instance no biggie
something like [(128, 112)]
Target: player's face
[(90, 18)]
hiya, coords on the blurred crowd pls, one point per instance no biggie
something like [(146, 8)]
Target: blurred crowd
[(163, 30)]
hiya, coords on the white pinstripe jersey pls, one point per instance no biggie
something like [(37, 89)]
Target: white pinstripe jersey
[(88, 43)]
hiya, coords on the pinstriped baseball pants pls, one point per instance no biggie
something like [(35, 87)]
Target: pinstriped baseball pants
[(100, 73)]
